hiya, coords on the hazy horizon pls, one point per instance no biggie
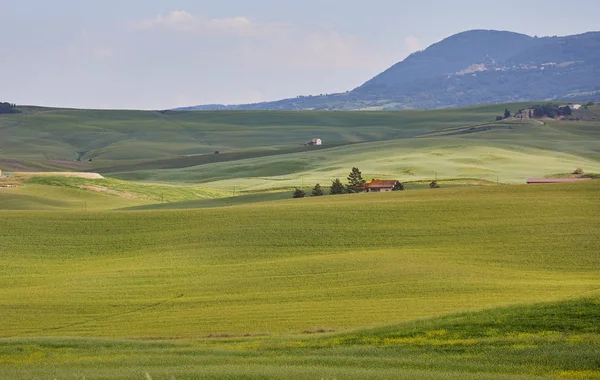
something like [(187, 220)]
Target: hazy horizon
[(158, 54)]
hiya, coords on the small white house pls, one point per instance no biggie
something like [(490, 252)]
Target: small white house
[(575, 106), (315, 141)]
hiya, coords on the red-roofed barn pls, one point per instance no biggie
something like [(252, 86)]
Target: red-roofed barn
[(380, 185)]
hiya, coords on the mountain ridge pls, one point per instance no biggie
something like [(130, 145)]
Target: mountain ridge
[(472, 67)]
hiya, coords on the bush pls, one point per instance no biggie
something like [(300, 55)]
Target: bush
[(299, 193), (398, 186), (434, 185), (317, 191), (336, 187), (578, 171)]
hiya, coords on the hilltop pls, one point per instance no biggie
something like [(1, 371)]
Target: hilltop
[(249, 151), (472, 67)]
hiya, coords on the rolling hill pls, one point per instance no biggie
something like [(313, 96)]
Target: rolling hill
[(464, 283), (261, 151), (472, 67)]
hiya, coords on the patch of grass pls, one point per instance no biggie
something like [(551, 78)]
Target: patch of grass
[(550, 340), (294, 265), (263, 150)]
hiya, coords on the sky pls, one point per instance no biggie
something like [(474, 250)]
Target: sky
[(157, 54)]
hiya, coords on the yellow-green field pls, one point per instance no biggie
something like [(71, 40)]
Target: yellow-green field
[(353, 286), (264, 151), (190, 259)]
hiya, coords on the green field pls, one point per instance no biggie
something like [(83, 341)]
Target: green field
[(354, 286), (260, 151), (183, 263)]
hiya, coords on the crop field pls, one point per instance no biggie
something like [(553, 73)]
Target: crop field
[(486, 282), (264, 151), (190, 259)]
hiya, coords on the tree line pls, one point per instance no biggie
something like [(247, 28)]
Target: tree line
[(355, 184), (8, 108)]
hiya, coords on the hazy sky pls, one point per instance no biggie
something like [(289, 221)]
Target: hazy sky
[(156, 54)]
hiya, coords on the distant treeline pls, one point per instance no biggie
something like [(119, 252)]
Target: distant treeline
[(8, 108), (551, 110)]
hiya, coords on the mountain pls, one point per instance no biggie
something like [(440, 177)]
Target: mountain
[(472, 67)]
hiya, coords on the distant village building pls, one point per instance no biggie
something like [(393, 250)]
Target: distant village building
[(315, 141), (380, 185), (526, 114)]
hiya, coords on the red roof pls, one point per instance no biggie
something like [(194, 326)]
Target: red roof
[(381, 183), (555, 180)]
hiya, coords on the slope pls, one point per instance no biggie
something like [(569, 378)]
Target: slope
[(540, 341), (47, 139), (288, 266), (509, 151), (472, 67)]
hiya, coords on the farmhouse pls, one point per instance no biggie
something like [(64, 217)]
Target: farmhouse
[(380, 185), (555, 180), (315, 141)]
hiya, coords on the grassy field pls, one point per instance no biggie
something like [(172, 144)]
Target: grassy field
[(261, 151), (159, 272), (69, 193), (542, 341), (332, 287)]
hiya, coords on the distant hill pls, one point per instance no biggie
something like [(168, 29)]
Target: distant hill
[(473, 67)]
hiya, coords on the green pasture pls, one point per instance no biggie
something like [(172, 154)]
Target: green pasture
[(557, 340), (262, 151), (504, 155), (113, 137), (331, 287), (70, 193)]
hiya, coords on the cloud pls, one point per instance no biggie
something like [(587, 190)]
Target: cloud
[(178, 20), (185, 21), (412, 44), (278, 44)]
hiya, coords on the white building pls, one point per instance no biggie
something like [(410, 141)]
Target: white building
[(315, 141)]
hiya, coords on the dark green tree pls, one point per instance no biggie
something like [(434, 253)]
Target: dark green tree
[(506, 113), (336, 187), (317, 191), (398, 186), (299, 193), (356, 183)]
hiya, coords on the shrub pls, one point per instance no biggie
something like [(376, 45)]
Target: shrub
[(317, 191), (398, 186), (336, 187), (434, 185), (299, 193), (578, 171)]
